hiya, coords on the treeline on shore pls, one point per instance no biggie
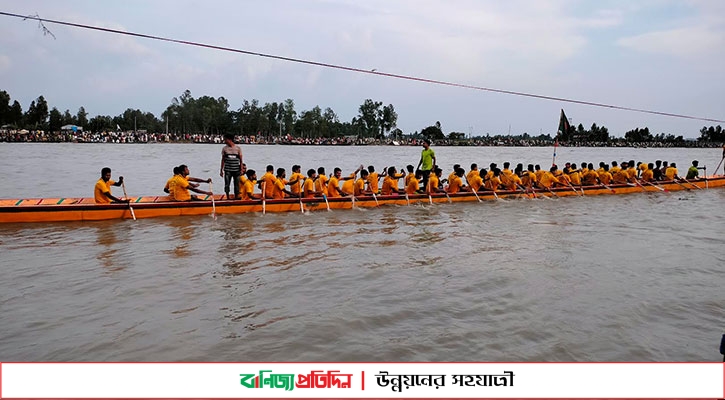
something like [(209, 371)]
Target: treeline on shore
[(206, 119)]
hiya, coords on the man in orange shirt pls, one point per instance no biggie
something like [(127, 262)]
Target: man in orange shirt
[(102, 190)]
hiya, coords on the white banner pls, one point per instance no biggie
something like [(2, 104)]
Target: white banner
[(362, 380)]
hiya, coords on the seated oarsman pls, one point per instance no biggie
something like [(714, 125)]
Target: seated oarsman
[(615, 168), (472, 173), (605, 177), (412, 184), (494, 183), (243, 177), (514, 182), (309, 185), (177, 172), (348, 183), (390, 183), (333, 186), (621, 176), (539, 172), (248, 186), (562, 179), (489, 174), (411, 174), (671, 172), (266, 184), (321, 182), (528, 177), (295, 181), (360, 183), (102, 189), (434, 181), (641, 167), (601, 167), (584, 169), (692, 172), (476, 182), (180, 187), (647, 173), (631, 171), (575, 175), (453, 172), (280, 184), (455, 183), (547, 179), (373, 179), (657, 171), (591, 177), (663, 170)]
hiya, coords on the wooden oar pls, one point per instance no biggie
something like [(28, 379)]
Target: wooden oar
[(447, 197), (685, 187), (264, 198), (719, 164), (699, 188), (474, 192), (407, 199), (656, 187), (613, 191), (324, 196), (376, 199), (213, 204), (523, 189), (302, 208), (575, 191), (133, 214), (552, 192)]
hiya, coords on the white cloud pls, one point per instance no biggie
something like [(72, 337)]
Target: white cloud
[(681, 42)]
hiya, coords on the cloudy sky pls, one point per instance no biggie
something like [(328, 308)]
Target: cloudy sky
[(661, 55)]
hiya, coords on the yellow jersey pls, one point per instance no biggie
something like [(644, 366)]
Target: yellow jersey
[(278, 186), (647, 175), (373, 181), (333, 187), (295, 188), (411, 187), (454, 185), (268, 184), (309, 187), (321, 184), (348, 186), (432, 184), (670, 173), (101, 188), (359, 186), (476, 182), (247, 190)]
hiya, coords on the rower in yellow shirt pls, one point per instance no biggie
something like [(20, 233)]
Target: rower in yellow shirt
[(102, 189), (280, 184), (373, 179), (648, 172), (267, 182), (390, 183), (476, 182), (248, 186), (605, 177), (321, 182), (528, 178), (411, 174), (412, 184), (548, 179), (615, 168), (181, 187), (309, 185), (621, 176), (295, 180), (472, 173), (455, 184), (592, 177), (433, 181), (671, 172), (359, 188)]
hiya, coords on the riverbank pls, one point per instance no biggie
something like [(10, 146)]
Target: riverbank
[(143, 137)]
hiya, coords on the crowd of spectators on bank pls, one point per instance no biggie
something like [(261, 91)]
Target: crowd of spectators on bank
[(145, 137)]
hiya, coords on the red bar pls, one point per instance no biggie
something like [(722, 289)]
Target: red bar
[(363, 383)]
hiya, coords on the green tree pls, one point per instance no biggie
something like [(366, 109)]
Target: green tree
[(16, 114), (55, 120), (433, 132), (4, 107), (289, 116), (389, 119), (82, 117), (370, 117)]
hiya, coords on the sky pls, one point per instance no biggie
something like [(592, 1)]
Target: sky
[(660, 55)]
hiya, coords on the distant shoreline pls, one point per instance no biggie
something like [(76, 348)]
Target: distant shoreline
[(497, 141)]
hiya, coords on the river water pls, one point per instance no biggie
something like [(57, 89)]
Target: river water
[(635, 277)]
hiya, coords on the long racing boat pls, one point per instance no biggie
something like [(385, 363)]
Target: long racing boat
[(85, 209)]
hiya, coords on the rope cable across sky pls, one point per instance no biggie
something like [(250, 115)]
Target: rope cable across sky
[(359, 70)]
